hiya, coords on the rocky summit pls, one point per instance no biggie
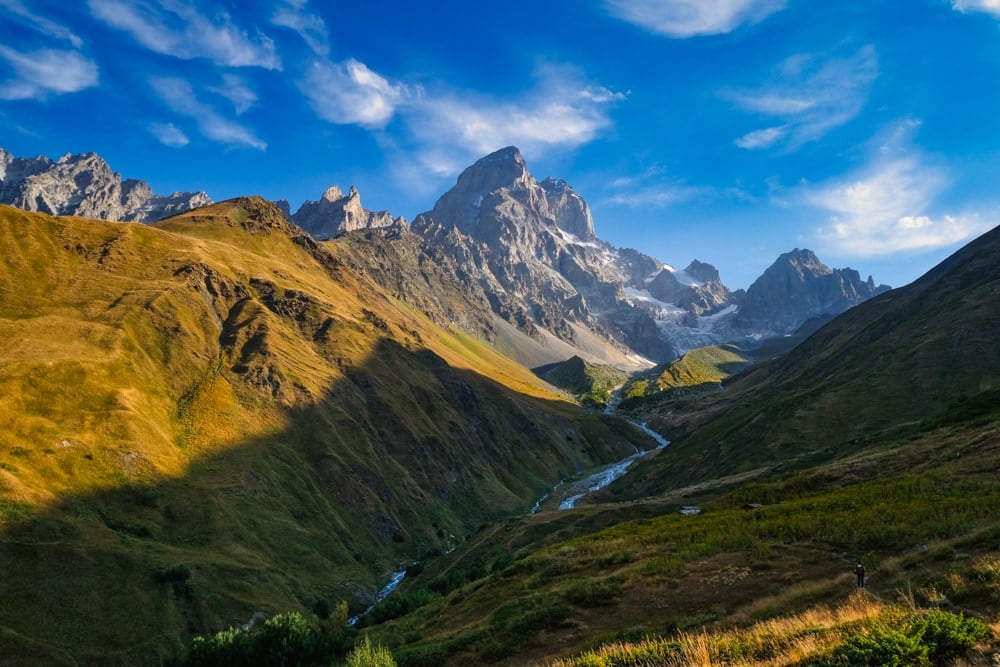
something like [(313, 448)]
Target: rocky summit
[(336, 213), (84, 185)]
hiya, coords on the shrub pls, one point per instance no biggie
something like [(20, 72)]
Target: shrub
[(427, 654), (880, 647), (285, 640), (366, 655), (948, 636)]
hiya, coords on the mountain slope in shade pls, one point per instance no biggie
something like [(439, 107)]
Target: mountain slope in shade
[(84, 185), (222, 396), (901, 357)]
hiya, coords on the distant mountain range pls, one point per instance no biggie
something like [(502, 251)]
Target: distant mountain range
[(526, 248)]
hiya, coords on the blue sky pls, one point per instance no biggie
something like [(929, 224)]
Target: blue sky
[(728, 130)]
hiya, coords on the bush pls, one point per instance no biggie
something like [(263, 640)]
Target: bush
[(948, 636), (366, 655), (285, 640), (880, 647)]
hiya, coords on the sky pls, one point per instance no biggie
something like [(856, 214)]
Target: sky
[(729, 131)]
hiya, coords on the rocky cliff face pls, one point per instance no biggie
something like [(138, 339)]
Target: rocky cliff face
[(84, 185), (797, 287), (531, 246), (336, 213)]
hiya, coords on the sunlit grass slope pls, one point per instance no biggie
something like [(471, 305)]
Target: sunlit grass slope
[(697, 371), (216, 415)]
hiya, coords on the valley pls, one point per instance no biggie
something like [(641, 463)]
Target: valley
[(223, 415)]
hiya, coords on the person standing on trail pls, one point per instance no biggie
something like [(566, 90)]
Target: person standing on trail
[(859, 571)]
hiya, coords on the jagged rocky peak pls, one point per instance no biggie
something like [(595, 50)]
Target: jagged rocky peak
[(336, 213), (84, 185), (570, 210), (797, 287), (460, 207)]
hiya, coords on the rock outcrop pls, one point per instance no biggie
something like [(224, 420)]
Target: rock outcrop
[(796, 288), (84, 185), (336, 213)]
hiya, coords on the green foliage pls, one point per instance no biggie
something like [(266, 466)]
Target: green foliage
[(367, 655), (285, 640), (396, 605), (947, 635), (879, 647), (423, 654), (922, 639), (590, 592)]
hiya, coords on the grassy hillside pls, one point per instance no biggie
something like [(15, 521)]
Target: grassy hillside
[(216, 416), (589, 382), (877, 439), (921, 518), (877, 370), (696, 372)]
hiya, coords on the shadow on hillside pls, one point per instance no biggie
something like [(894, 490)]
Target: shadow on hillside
[(403, 458)]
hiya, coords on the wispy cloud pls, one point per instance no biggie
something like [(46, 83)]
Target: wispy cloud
[(651, 189), (236, 90), (177, 28), (39, 74), (348, 93), (23, 15), (690, 18), (988, 6), (291, 14), (442, 129), (561, 111), (811, 94), (169, 135), (180, 97), (890, 206)]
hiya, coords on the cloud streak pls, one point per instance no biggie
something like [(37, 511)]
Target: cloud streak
[(39, 74), (176, 28), (886, 208), (180, 97), (168, 135), (987, 6), (691, 18), (310, 27), (39, 23), (811, 95)]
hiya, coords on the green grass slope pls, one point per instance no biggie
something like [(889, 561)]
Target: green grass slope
[(698, 371), (876, 439), (217, 415), (588, 382)]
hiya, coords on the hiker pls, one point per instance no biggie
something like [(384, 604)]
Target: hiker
[(859, 570)]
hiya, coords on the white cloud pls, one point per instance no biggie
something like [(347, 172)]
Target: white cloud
[(310, 27), (348, 93), (811, 95), (988, 6), (561, 111), (689, 18), (885, 208), (179, 29), (43, 25), (235, 90), (764, 138), (180, 97), (38, 74), (169, 135)]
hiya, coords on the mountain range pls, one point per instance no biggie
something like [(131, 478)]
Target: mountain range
[(233, 412), (528, 248)]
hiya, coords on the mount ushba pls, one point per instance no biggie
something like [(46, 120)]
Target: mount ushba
[(526, 249)]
